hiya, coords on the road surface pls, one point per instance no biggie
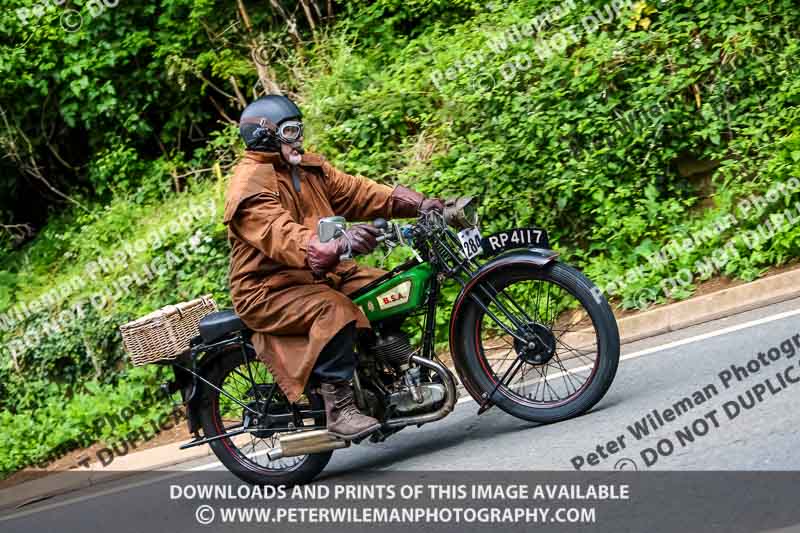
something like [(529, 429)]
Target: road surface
[(698, 399)]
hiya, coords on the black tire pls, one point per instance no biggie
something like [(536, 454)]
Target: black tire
[(229, 453), (479, 373)]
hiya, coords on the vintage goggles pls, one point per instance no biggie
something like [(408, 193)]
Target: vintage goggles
[(290, 131)]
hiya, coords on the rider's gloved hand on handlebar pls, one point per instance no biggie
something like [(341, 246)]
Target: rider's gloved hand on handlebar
[(431, 204), (363, 238), (358, 239), (407, 203)]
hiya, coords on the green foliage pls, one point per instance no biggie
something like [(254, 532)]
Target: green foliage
[(113, 88), (64, 422), (74, 367), (589, 142), (644, 131)]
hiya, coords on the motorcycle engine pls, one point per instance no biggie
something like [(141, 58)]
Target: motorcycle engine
[(393, 348), (430, 396), (408, 395)]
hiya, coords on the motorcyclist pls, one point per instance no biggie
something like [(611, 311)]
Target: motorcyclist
[(286, 285)]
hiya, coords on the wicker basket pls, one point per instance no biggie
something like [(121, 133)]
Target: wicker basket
[(164, 334)]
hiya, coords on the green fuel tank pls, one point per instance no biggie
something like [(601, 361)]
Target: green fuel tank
[(401, 294)]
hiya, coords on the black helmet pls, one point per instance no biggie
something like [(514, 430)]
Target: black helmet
[(260, 121)]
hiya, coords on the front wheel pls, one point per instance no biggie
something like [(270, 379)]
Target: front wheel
[(541, 343)]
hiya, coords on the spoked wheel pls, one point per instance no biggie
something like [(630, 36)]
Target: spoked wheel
[(543, 346), (259, 410)]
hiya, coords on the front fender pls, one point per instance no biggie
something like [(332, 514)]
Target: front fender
[(535, 257)]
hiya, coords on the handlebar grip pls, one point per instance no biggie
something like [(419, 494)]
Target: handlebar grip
[(382, 225)]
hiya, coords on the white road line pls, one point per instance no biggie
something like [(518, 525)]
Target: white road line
[(712, 334), (690, 340), (106, 492), (634, 355), (215, 464)]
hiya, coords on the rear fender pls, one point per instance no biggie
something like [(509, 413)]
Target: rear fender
[(193, 389)]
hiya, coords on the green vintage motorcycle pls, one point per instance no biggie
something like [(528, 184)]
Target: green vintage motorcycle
[(528, 334)]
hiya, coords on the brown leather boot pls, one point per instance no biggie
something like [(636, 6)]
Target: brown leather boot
[(344, 419)]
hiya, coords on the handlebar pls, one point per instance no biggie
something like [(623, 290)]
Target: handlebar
[(383, 225), (459, 213)]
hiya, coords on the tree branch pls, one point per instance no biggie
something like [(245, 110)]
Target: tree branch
[(18, 232), (47, 136), (291, 24), (316, 10), (256, 53), (26, 161), (310, 18), (239, 94), (221, 110)]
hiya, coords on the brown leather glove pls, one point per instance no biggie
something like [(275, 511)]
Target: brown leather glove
[(431, 204), (363, 238), (407, 203), (322, 256), (358, 239)]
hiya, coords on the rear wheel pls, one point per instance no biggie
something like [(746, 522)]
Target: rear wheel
[(546, 346), (258, 404)]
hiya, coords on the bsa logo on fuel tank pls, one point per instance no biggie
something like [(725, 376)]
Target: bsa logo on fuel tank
[(396, 296)]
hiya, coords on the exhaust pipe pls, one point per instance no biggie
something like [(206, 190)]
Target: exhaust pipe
[(449, 403), (304, 443)]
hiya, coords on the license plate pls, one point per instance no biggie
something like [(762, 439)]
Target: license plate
[(515, 238), (470, 242)]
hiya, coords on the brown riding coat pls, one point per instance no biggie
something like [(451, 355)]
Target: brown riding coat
[(293, 313)]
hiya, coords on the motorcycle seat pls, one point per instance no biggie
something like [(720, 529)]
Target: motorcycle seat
[(217, 325)]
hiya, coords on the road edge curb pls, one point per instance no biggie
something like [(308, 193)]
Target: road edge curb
[(711, 306), (60, 483)]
